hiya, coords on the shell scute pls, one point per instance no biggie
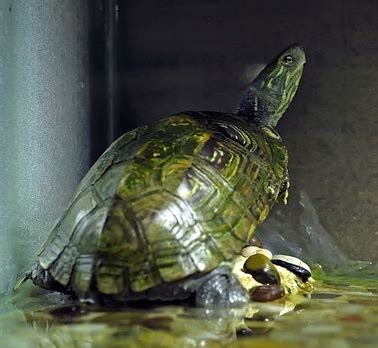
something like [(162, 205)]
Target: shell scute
[(62, 268), (82, 274), (98, 169), (230, 210), (87, 234), (206, 256), (109, 279), (198, 190), (82, 205), (120, 238), (174, 267), (144, 278), (106, 185)]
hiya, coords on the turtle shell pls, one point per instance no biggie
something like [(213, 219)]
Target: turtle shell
[(165, 202)]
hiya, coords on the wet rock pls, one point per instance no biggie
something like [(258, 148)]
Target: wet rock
[(265, 293), (293, 264), (261, 269)]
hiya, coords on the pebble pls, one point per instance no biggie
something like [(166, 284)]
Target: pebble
[(261, 269), (252, 250), (294, 265), (254, 241), (265, 293)]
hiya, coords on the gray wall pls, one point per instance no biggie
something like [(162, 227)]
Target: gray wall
[(44, 122), (196, 55)]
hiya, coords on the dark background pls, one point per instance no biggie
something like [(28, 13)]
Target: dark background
[(170, 56)]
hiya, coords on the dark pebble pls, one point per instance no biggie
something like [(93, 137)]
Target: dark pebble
[(261, 269), (302, 273), (265, 293)]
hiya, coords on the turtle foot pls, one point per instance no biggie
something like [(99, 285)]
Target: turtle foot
[(221, 288)]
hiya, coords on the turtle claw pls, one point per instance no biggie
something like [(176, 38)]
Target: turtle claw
[(26, 276)]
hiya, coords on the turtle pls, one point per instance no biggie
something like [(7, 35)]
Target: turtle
[(168, 206)]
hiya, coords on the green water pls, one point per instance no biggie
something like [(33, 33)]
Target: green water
[(342, 312)]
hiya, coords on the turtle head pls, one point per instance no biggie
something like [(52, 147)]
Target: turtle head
[(272, 91)]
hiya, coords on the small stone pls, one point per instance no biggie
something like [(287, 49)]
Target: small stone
[(245, 279), (293, 264), (265, 293), (261, 269), (254, 241), (252, 250)]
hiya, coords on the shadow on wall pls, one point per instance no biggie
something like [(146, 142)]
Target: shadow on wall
[(306, 238)]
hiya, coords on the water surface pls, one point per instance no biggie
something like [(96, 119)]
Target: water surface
[(342, 312)]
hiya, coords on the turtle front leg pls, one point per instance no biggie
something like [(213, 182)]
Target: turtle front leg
[(220, 287)]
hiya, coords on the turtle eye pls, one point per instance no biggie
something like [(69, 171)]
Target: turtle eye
[(288, 60)]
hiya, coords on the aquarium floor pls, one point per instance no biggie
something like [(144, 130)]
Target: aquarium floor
[(341, 313)]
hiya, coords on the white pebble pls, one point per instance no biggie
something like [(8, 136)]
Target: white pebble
[(252, 250)]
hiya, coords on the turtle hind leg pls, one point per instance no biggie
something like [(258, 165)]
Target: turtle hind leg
[(220, 287), (42, 278)]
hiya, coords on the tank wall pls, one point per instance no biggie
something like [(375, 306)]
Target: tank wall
[(44, 128)]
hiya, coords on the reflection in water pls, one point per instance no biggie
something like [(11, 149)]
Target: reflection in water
[(336, 315)]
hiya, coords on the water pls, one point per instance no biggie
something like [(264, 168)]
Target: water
[(342, 312)]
